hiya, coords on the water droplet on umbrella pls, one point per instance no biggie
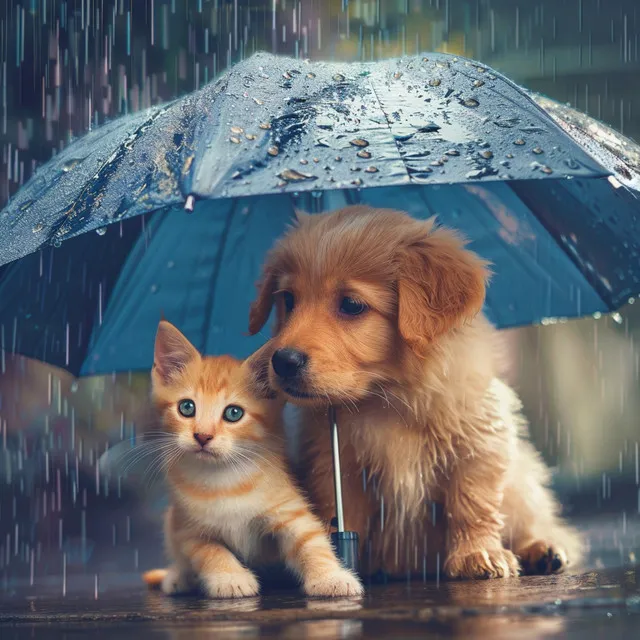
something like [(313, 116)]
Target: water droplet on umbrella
[(481, 173), (258, 101), (425, 59), (303, 161), (287, 75), (171, 264), (338, 158), (101, 231), (359, 142), (264, 125), (436, 163), (74, 386), (478, 83), (397, 75), (371, 169), (292, 175), (546, 169), (250, 136), (57, 243), (364, 154), (470, 102), (480, 69), (452, 152), (357, 182), (486, 154), (26, 205), (338, 77), (442, 65), (154, 288), (311, 75), (237, 130), (37, 228), (435, 82), (623, 171), (273, 151), (234, 139), (510, 155), (70, 164), (519, 142), (537, 150)]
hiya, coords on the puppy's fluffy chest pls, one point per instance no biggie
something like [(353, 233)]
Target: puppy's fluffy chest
[(395, 453)]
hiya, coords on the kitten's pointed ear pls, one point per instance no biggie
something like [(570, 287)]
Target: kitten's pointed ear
[(172, 353), (256, 368), (301, 216)]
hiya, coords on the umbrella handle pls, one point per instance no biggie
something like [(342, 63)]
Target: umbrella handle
[(345, 542)]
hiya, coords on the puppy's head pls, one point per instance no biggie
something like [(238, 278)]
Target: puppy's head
[(356, 291)]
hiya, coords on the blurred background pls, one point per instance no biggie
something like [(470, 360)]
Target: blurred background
[(68, 66)]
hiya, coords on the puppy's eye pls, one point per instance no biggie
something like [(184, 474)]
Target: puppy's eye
[(289, 301), (233, 413), (187, 408), (351, 307)]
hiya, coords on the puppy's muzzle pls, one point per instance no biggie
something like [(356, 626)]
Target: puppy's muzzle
[(289, 364)]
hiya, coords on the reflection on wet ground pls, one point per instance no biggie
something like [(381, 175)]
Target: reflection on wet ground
[(586, 604)]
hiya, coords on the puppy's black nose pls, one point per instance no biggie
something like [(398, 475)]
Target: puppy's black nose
[(288, 363)]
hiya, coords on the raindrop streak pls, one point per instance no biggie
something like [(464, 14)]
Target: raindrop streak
[(64, 574)]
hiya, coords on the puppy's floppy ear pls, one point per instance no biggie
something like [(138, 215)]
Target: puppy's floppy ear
[(441, 285), (172, 352), (261, 306)]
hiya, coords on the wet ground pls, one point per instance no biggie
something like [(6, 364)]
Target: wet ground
[(587, 606), (602, 600)]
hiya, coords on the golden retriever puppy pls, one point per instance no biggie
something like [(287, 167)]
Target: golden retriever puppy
[(379, 315)]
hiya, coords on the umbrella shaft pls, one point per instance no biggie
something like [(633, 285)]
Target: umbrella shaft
[(337, 478)]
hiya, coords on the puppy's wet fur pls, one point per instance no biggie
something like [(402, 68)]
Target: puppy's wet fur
[(386, 311)]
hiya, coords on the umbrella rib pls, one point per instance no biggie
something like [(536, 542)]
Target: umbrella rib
[(216, 274), (606, 300)]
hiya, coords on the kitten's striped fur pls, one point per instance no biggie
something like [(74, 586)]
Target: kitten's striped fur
[(233, 502)]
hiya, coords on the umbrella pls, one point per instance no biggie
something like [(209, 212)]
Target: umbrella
[(551, 201), (543, 193)]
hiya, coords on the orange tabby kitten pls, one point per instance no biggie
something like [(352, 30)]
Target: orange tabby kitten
[(231, 493)]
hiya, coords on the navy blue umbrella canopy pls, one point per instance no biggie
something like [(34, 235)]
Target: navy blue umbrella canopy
[(549, 197)]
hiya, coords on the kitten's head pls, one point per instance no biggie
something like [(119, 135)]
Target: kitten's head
[(217, 407)]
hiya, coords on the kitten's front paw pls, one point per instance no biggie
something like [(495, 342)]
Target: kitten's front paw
[(231, 585), (333, 584), (482, 563), (178, 581)]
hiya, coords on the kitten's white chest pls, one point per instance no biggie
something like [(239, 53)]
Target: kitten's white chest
[(225, 508)]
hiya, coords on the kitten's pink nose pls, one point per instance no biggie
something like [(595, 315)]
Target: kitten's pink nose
[(202, 438)]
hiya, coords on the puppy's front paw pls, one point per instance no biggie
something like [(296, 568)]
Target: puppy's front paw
[(482, 563), (542, 558), (333, 584), (241, 584), (178, 581)]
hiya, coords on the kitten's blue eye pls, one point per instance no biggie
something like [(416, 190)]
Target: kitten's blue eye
[(233, 413), (187, 408)]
